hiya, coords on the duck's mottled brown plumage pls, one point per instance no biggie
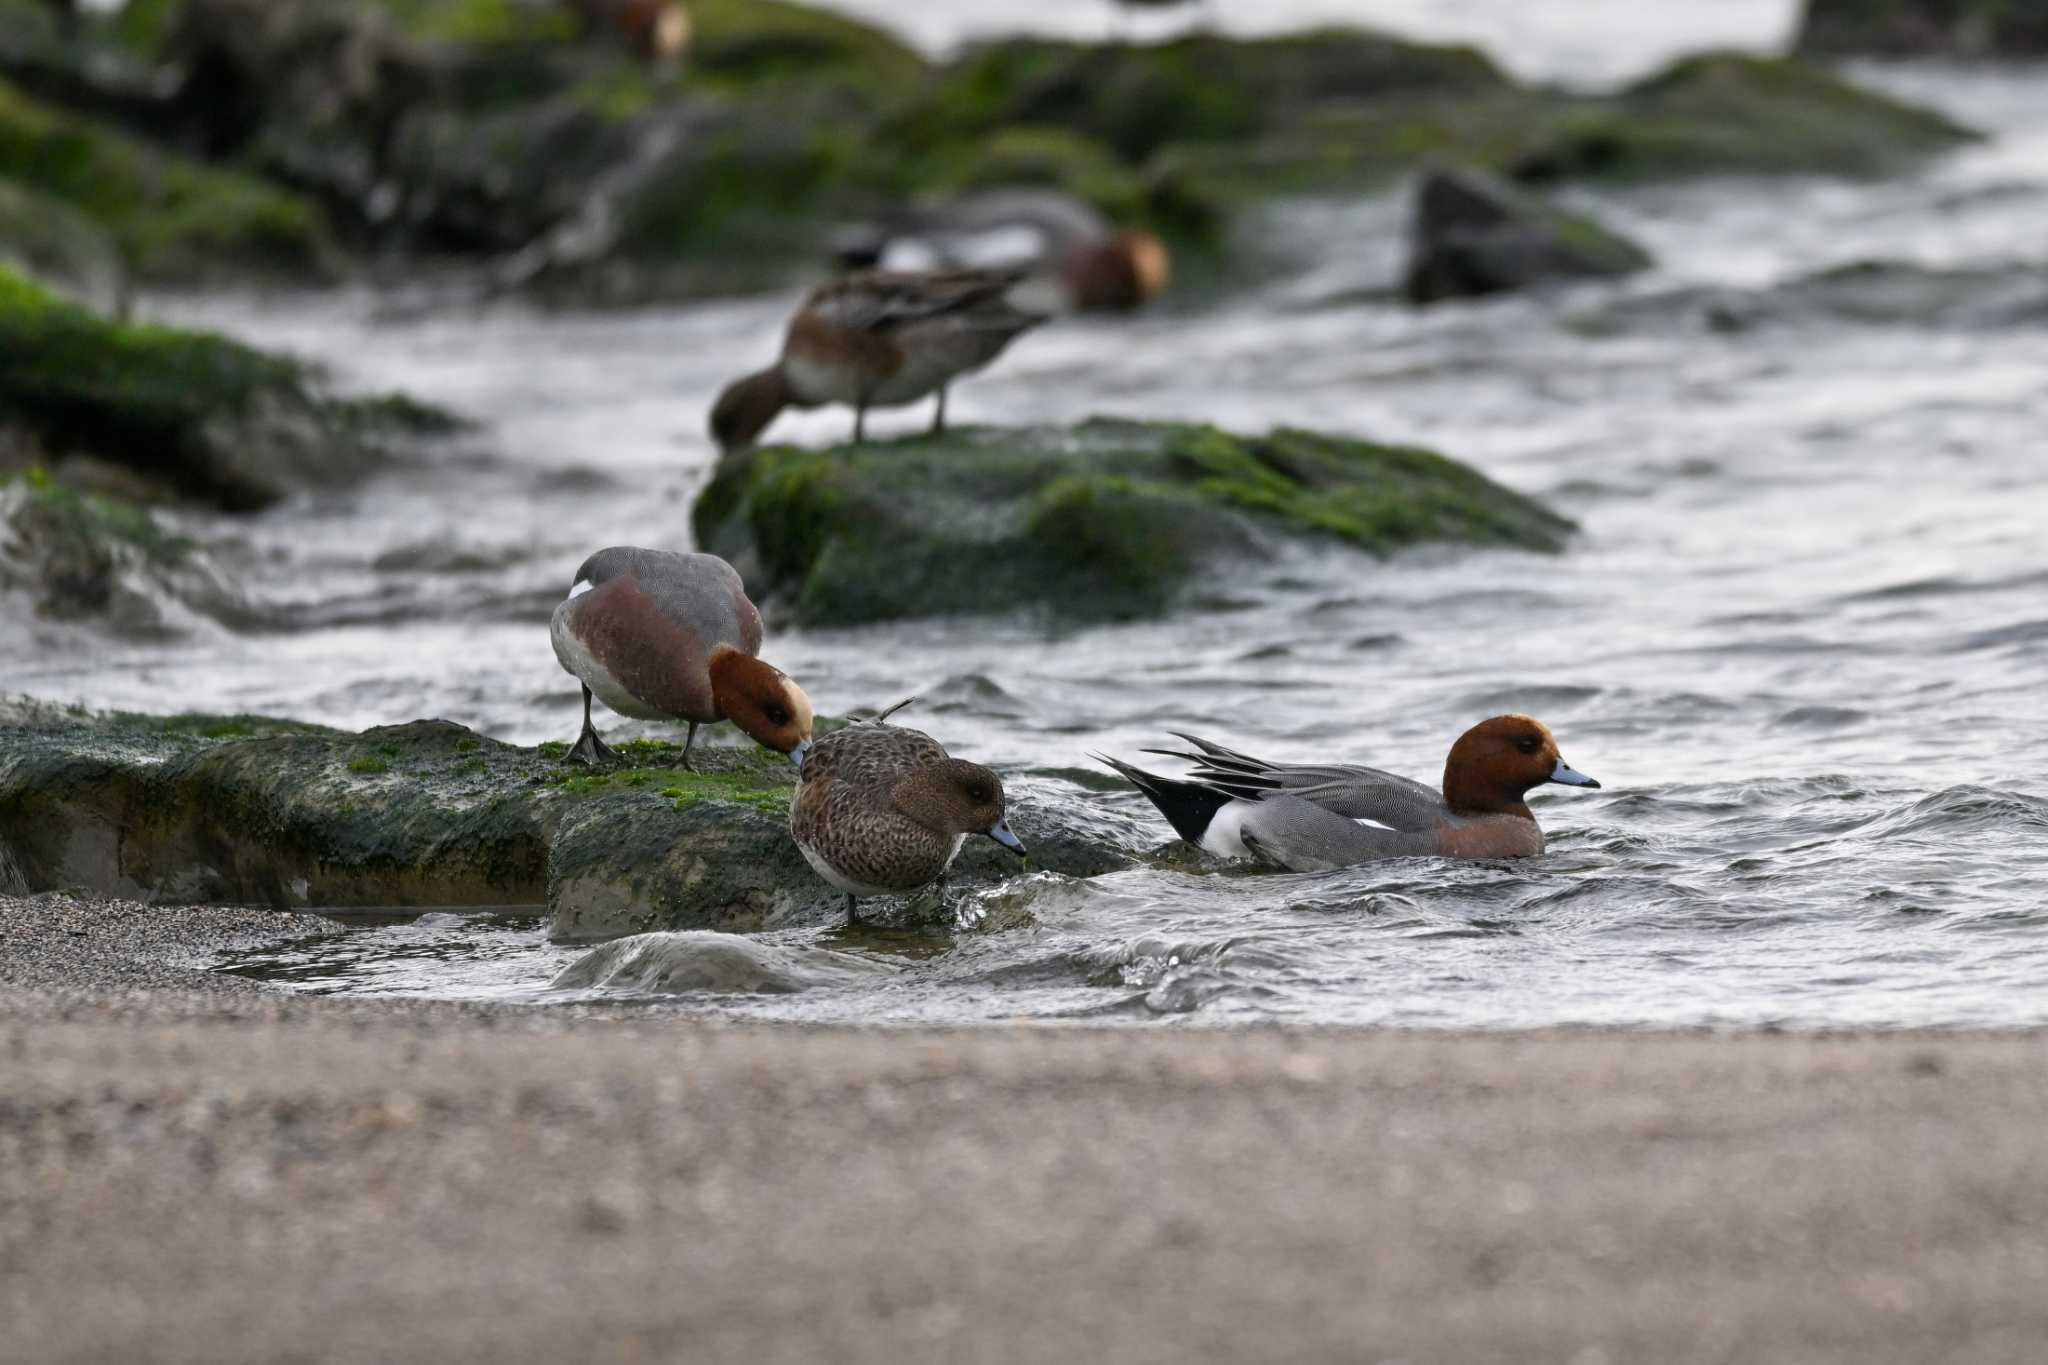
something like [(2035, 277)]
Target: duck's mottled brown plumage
[(865, 808)]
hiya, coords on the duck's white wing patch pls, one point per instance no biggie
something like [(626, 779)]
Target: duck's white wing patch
[(1377, 824), (579, 587), (1225, 835)]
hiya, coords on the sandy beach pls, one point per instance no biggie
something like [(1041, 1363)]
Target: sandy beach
[(193, 1168)]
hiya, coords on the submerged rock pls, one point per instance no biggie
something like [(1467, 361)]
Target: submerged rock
[(1476, 234), (1108, 519), (1872, 293), (722, 964), (1925, 28), (242, 809), (194, 413)]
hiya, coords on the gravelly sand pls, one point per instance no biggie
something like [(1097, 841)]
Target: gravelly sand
[(193, 1169)]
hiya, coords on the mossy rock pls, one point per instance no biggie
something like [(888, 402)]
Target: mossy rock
[(195, 413), (1923, 28), (1734, 112), (173, 218), (57, 246), (83, 557), (1139, 98), (1107, 519), (245, 809)]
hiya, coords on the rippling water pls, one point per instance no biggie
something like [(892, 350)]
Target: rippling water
[(1803, 638)]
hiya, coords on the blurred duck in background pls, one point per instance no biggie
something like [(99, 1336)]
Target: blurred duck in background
[(883, 339), (658, 30), (1085, 260)]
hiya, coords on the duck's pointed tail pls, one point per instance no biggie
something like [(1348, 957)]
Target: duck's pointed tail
[(1187, 806)]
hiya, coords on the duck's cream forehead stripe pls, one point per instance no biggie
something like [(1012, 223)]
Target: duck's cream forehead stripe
[(799, 704)]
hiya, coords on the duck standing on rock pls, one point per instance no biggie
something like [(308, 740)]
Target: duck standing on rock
[(883, 339), (880, 810), (665, 636), (1088, 263), (1311, 817)]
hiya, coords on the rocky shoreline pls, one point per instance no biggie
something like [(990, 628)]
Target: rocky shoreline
[(312, 140), (240, 809)]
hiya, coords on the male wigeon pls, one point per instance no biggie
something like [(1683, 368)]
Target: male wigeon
[(1055, 237), (881, 339), (656, 29), (880, 810), (1310, 817), (665, 636)]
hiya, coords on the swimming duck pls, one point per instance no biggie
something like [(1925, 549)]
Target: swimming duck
[(1057, 238), (666, 636), (881, 810), (1310, 817), (882, 339)]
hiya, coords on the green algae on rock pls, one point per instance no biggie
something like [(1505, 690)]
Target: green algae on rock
[(81, 556), (242, 809), (174, 219), (1107, 519), (194, 413)]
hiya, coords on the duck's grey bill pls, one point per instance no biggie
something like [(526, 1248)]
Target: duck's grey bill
[(1000, 832), (799, 753), (1571, 777)]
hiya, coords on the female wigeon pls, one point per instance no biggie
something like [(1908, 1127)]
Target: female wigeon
[(880, 810), (881, 339), (1054, 236), (664, 636), (1310, 817)]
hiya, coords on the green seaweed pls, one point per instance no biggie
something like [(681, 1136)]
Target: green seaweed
[(368, 764), (170, 216)]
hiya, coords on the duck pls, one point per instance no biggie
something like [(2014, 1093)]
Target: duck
[(882, 338), (1058, 238), (661, 635), (1311, 817), (881, 810)]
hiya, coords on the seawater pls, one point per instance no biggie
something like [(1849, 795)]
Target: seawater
[(1802, 638)]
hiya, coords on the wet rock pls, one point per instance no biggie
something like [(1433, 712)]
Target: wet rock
[(723, 964), (1732, 112), (1924, 28), (196, 414), (1477, 234), (187, 809), (1108, 519), (61, 249), (82, 557)]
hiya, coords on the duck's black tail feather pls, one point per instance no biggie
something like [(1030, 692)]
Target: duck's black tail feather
[(1187, 806)]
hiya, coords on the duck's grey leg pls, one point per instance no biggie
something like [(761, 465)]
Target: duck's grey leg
[(688, 740), (589, 748), (852, 911), (860, 423), (939, 415)]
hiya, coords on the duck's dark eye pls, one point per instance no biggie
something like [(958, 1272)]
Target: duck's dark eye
[(1529, 745), (977, 793), (777, 713)]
